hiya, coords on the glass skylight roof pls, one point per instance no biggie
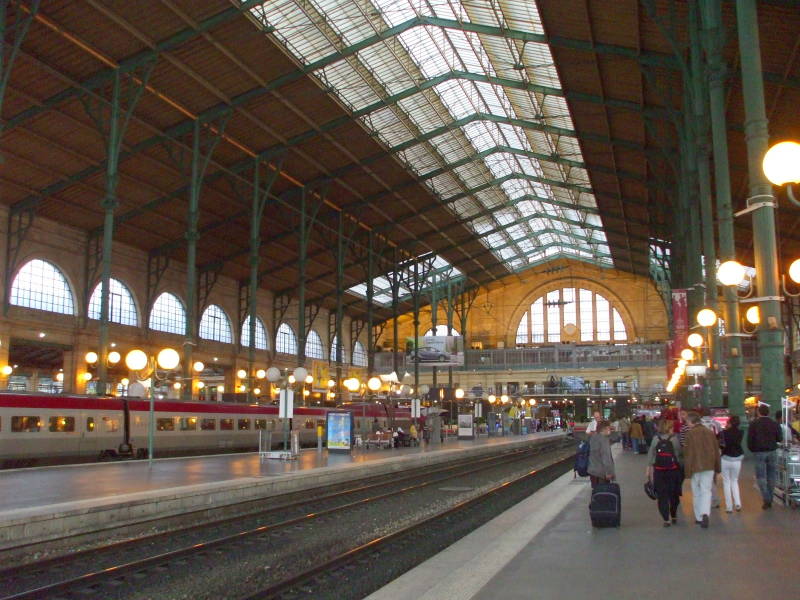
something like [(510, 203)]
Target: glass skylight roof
[(467, 96), (431, 268)]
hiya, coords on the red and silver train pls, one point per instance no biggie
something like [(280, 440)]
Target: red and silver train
[(43, 429)]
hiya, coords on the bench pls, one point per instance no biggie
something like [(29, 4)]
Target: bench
[(381, 440)]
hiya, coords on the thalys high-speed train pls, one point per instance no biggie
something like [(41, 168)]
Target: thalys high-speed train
[(45, 428)]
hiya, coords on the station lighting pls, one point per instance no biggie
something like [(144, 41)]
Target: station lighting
[(374, 384), (794, 271), (331, 383), (291, 378), (261, 374), (168, 359), (309, 379), (273, 374), (491, 399), (731, 272), (176, 385), (687, 354), (706, 317), (352, 384), (114, 357), (306, 393), (781, 163), (504, 399), (695, 340), (241, 373), (124, 381), (257, 391), (7, 370), (459, 393), (200, 385), (59, 377), (91, 357), (753, 315), (198, 367), (220, 388), (300, 373), (136, 360), (87, 376)]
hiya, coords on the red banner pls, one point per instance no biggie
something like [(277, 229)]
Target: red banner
[(680, 324)]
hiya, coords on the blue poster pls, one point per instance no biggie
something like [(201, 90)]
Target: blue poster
[(340, 431)]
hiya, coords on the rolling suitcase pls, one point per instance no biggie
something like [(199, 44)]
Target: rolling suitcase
[(605, 508)]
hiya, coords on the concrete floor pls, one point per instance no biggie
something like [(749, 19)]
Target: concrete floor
[(545, 548)]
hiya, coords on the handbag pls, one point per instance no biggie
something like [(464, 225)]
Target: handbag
[(649, 489)]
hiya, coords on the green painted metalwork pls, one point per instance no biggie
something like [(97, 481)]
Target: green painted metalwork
[(770, 330), (11, 38)]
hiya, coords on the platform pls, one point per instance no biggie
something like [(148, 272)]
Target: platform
[(545, 548), (44, 503)]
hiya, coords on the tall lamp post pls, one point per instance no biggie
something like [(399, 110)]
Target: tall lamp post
[(286, 399), (147, 367)]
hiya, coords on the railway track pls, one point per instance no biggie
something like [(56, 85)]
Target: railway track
[(106, 571)]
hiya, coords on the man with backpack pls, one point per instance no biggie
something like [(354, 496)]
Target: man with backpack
[(664, 470)]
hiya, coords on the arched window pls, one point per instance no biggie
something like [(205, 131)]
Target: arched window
[(334, 353), (286, 340), (314, 346), (41, 285), (359, 355), (168, 314), (441, 330), (214, 325), (121, 308), (261, 334), (571, 314)]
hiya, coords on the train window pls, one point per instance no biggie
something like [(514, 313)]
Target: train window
[(25, 424), (309, 424), (208, 424), (62, 424), (188, 423), (261, 423), (244, 425), (165, 425), (89, 423), (226, 424), (112, 425)]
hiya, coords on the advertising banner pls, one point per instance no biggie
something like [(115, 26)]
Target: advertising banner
[(465, 430), (436, 350), (680, 321), (340, 431)]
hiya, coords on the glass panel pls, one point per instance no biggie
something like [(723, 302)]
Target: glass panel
[(553, 317), (335, 353), (441, 330), (226, 424), (286, 340), (168, 314), (25, 424), (41, 285), (188, 423), (619, 326), (359, 355), (603, 319), (314, 347), (208, 424), (165, 424), (537, 321), (214, 325), (89, 423), (570, 307), (62, 424), (261, 423), (121, 308), (243, 425), (522, 330), (261, 334), (587, 316)]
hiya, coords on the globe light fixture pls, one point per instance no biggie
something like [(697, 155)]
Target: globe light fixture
[(706, 317), (459, 393), (309, 379), (300, 373), (753, 315), (59, 376), (731, 272), (87, 376), (220, 388), (114, 357), (291, 378), (124, 381), (273, 374), (504, 399), (374, 384), (257, 391), (352, 384), (491, 399), (241, 374), (200, 385), (794, 271), (168, 359), (176, 385), (687, 354), (695, 340), (781, 163), (7, 370), (331, 383), (261, 374), (91, 357), (198, 367), (136, 360)]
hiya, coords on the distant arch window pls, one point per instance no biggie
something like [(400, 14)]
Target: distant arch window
[(359, 355), (168, 314), (286, 340), (121, 307), (314, 347), (215, 325), (571, 314), (261, 334), (41, 285), (441, 330), (335, 351)]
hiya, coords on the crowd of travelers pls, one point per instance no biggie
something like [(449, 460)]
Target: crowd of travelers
[(691, 446)]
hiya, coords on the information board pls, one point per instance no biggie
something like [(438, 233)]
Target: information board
[(465, 429), (340, 431)]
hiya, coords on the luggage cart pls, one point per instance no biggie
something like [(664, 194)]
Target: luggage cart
[(788, 488)]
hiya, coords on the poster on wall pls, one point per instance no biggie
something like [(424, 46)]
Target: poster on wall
[(680, 320), (465, 429), (339, 431), (436, 350)]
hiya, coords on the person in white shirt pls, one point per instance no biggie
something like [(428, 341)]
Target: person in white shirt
[(592, 426)]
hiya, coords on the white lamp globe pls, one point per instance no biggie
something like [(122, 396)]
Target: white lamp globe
[(731, 272), (352, 384), (782, 163), (459, 393), (198, 366), (504, 398), (91, 357), (374, 383), (113, 357), (687, 354), (424, 389), (695, 340), (794, 271), (168, 358), (241, 373), (261, 373), (273, 374), (136, 360), (300, 374), (706, 317), (753, 315), (309, 379)]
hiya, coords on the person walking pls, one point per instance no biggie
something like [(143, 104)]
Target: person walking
[(701, 461), (624, 431), (664, 470), (732, 456), (592, 426), (763, 437), (601, 463), (637, 435)]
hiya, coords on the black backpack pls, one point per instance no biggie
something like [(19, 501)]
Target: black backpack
[(582, 459), (665, 455)]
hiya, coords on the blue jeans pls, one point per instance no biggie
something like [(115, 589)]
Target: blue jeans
[(635, 445), (766, 473)]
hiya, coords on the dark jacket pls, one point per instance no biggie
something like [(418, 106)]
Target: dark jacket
[(731, 442), (601, 463), (763, 435)]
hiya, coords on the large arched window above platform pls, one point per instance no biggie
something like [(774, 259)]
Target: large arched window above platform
[(335, 351), (41, 285), (215, 325), (314, 347), (121, 307), (261, 334), (286, 340), (168, 314), (359, 355), (571, 315), (441, 331)]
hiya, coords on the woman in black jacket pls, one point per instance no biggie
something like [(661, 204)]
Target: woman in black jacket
[(732, 456)]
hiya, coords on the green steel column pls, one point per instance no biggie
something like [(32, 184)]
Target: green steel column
[(252, 291), (109, 204), (450, 325), (395, 303), (370, 315), (712, 25), (416, 293), (687, 187), (340, 250), (434, 320), (192, 236), (301, 283), (770, 330), (713, 391)]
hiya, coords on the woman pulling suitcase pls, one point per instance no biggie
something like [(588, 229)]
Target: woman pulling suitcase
[(606, 507)]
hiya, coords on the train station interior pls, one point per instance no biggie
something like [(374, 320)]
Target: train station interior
[(486, 220)]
